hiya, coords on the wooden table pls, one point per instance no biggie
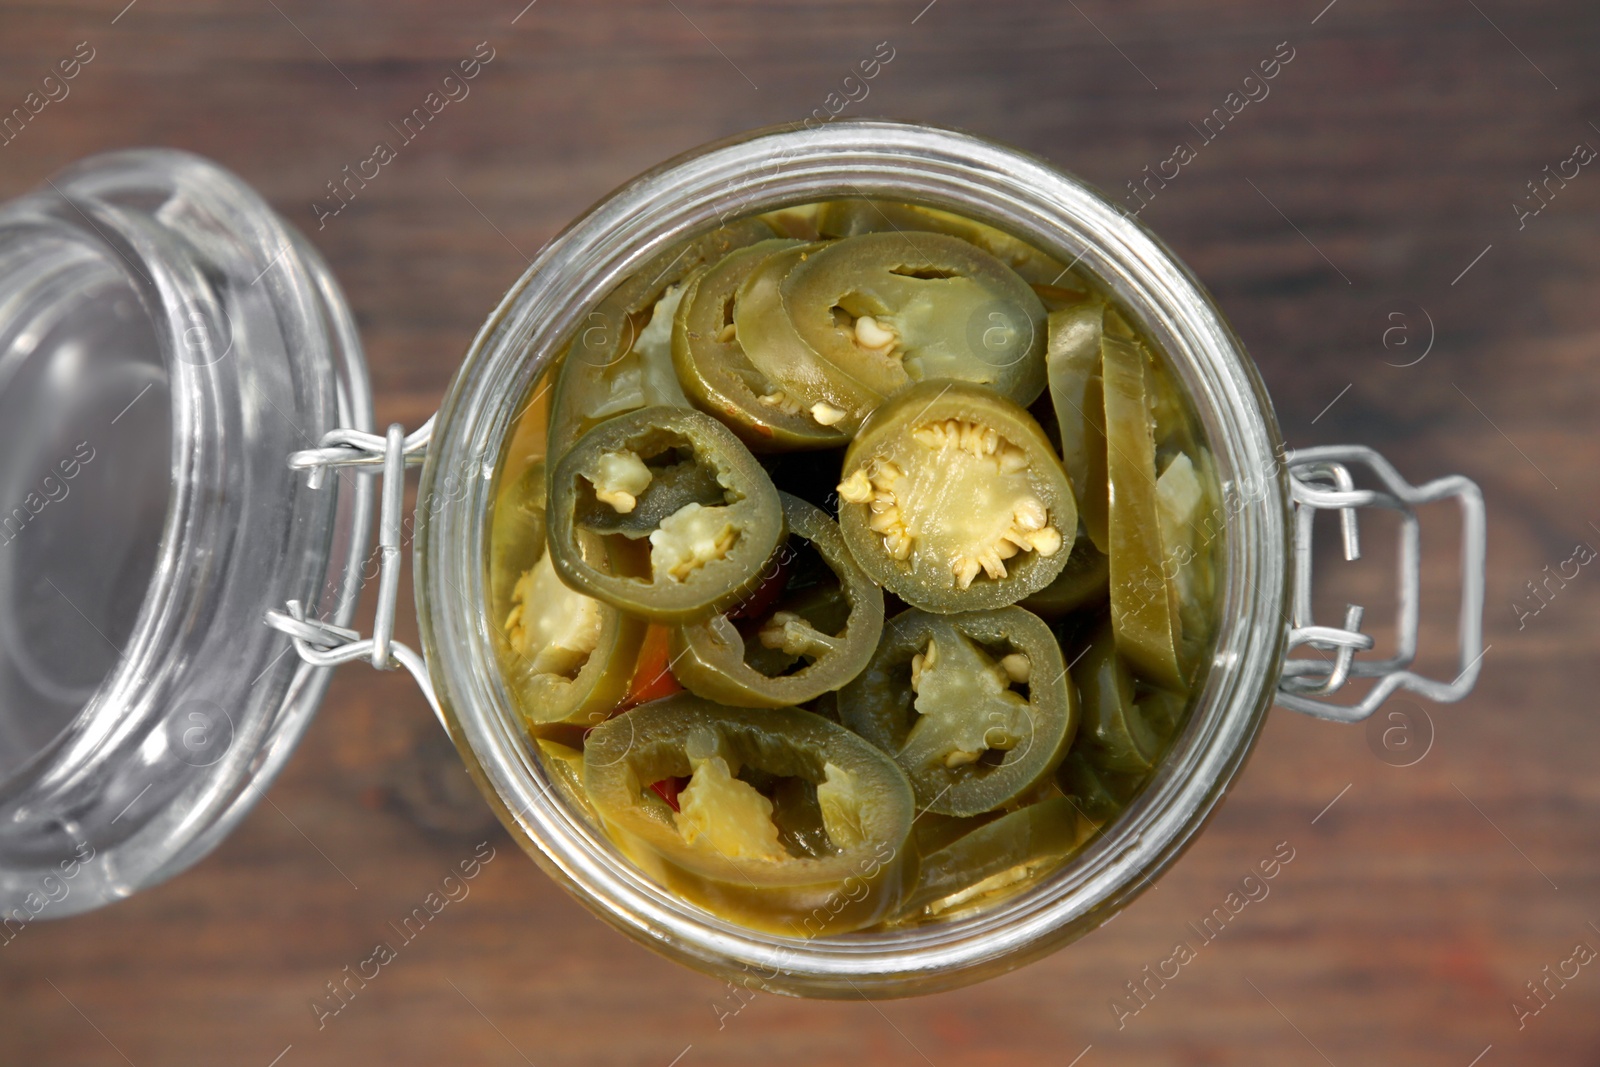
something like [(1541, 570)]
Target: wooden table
[(1373, 190)]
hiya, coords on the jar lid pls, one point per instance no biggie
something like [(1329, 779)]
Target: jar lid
[(165, 341)]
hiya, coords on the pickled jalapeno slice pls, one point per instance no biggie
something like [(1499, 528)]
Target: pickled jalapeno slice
[(832, 397), (620, 356), (1083, 583), (717, 375), (563, 766), (1144, 598), (894, 308), (1097, 792), (517, 534), (787, 822), (953, 499), (1118, 734), (704, 554), (1181, 497), (798, 647), (567, 656), (1072, 363), (849, 217), (976, 707), (997, 855)]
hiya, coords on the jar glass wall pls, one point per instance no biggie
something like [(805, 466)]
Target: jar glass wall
[(762, 172)]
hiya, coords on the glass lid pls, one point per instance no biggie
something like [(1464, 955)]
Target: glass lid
[(165, 341)]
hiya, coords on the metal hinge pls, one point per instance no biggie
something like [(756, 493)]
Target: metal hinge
[(1319, 480), (321, 643)]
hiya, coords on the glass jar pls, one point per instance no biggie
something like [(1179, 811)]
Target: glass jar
[(164, 341), (1264, 522)]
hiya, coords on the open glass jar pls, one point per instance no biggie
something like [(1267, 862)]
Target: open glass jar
[(1268, 499)]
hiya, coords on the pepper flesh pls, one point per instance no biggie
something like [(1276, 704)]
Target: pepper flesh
[(1083, 583)]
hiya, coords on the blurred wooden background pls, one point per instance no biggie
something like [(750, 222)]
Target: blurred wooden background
[(1349, 202)]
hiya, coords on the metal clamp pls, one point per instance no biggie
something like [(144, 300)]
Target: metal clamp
[(321, 643), (1319, 480)]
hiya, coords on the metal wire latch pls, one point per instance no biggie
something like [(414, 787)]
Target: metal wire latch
[(1319, 480), (321, 643)]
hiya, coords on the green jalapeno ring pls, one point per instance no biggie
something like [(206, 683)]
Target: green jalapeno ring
[(944, 485), (1146, 625), (944, 737), (567, 657), (766, 334), (516, 534), (721, 550), (717, 375), (604, 372), (709, 658), (1098, 792), (890, 309), (1116, 733), (858, 885), (1072, 362), (1083, 583), (563, 766), (849, 217), (1002, 854)]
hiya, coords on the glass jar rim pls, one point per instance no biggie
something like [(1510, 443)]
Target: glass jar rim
[(766, 170)]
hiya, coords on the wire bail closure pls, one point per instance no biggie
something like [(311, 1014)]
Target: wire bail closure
[(1320, 480), (323, 644)]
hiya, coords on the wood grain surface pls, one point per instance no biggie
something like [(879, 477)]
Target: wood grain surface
[(1361, 210)]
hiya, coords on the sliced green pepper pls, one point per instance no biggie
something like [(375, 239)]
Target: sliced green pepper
[(1082, 583), (1116, 733), (977, 707), (1182, 501), (1072, 358), (1144, 599), (998, 855), (832, 397), (723, 848), (712, 658), (890, 309), (954, 500), (563, 766), (568, 656), (717, 375), (702, 556), (1099, 793), (620, 356), (516, 534), (846, 218), (934, 832)]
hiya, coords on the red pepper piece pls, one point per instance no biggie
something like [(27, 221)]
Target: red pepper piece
[(652, 678)]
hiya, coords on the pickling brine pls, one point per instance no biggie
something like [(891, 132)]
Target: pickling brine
[(851, 569)]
